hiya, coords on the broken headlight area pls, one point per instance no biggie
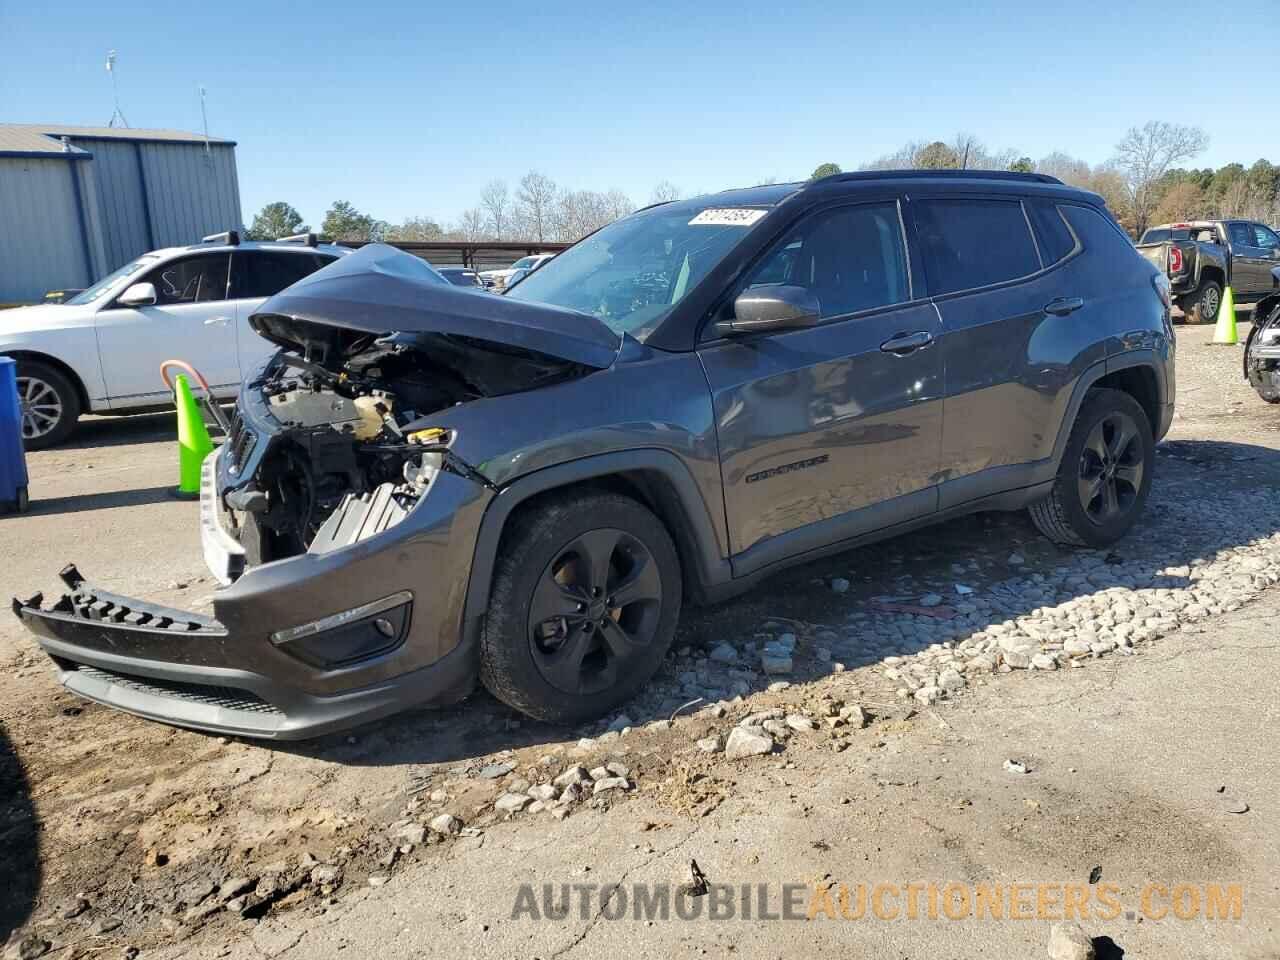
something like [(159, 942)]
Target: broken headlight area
[(1262, 358)]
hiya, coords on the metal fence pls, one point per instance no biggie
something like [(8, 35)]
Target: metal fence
[(483, 255)]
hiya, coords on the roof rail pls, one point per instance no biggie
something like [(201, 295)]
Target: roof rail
[(230, 237), (310, 239), (940, 175)]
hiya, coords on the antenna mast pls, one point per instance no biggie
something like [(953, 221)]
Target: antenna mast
[(117, 114), (204, 117)]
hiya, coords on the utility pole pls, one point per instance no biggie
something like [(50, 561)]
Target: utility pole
[(117, 114)]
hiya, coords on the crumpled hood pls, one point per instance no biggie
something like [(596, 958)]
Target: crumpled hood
[(380, 290)]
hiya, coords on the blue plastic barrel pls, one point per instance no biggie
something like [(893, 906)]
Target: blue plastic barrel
[(13, 461)]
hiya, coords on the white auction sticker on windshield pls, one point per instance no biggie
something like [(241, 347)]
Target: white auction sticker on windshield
[(727, 217)]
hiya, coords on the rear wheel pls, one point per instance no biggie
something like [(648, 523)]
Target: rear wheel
[(49, 402), (1104, 476), (584, 606), (1202, 306)]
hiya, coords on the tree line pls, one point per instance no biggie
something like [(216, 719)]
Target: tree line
[(1147, 180), (537, 210)]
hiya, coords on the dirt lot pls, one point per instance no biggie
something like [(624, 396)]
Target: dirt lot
[(120, 835)]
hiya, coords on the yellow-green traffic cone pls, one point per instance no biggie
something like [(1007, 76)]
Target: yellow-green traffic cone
[(1225, 332), (193, 441)]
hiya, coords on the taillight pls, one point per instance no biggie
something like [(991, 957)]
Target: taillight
[(1175, 260), (1161, 283)]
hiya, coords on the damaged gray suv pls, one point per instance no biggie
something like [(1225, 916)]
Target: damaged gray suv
[(427, 485)]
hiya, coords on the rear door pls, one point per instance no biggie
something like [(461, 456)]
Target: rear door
[(191, 320), (255, 275), (1015, 323), (830, 431), (1250, 263)]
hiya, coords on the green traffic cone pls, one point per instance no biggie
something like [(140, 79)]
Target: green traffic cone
[(193, 441), (1224, 333)]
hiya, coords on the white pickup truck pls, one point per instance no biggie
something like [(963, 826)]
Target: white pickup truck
[(101, 350)]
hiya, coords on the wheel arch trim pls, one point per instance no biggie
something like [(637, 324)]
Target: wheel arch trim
[(699, 538)]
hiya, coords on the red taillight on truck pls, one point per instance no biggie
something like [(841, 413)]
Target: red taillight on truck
[(1175, 260)]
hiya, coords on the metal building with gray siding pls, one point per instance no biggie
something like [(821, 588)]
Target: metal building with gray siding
[(78, 202)]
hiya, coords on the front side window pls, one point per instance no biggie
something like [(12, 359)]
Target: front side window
[(974, 243), (264, 273), (1241, 235), (851, 258), (200, 279), (631, 274), (1267, 238)]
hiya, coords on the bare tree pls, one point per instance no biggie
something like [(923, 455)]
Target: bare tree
[(535, 203), (665, 192), (1066, 168), (495, 200), (471, 226), (1144, 156), (618, 204), (415, 228)]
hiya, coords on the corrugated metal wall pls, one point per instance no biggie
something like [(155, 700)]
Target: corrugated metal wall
[(135, 197), (40, 239), (188, 194)]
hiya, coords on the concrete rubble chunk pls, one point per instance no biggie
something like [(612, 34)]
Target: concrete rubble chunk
[(446, 824), (512, 802), (1068, 941), (747, 742), (712, 744), (575, 774), (609, 783)]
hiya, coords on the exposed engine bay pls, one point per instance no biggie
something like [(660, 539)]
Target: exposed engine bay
[(349, 441), (1262, 356)]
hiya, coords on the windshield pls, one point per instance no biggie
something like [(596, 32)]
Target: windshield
[(99, 289), (524, 263), (634, 271)]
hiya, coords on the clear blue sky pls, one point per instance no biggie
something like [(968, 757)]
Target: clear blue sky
[(409, 108)]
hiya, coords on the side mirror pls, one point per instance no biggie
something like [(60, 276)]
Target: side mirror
[(771, 307), (139, 295)]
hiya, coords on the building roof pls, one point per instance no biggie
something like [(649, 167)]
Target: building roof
[(39, 139)]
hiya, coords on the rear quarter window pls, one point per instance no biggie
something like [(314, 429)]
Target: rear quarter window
[(970, 243), (1099, 234), (1052, 233)]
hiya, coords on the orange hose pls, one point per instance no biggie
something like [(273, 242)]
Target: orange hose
[(209, 402)]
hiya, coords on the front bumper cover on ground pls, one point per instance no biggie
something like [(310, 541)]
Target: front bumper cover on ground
[(173, 666)]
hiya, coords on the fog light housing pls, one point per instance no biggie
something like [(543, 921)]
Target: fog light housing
[(339, 640)]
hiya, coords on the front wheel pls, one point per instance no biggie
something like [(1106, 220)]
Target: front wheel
[(49, 403), (584, 606), (1105, 474)]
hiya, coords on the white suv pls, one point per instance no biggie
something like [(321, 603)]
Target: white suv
[(499, 279), (101, 350)]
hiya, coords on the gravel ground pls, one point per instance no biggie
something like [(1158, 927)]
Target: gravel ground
[(122, 834)]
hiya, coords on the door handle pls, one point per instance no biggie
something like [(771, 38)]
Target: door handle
[(220, 321), (905, 343), (1063, 306)]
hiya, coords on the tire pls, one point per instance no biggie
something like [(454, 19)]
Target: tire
[(586, 657), (1122, 463), (1202, 306), (45, 392)]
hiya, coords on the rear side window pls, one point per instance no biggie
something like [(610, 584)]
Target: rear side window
[(974, 243), (262, 273), (1052, 233), (852, 258)]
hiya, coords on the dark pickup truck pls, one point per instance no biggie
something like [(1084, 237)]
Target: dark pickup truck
[(1203, 256)]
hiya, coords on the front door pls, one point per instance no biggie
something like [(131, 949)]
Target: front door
[(1268, 246), (256, 275), (191, 320), (831, 431)]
